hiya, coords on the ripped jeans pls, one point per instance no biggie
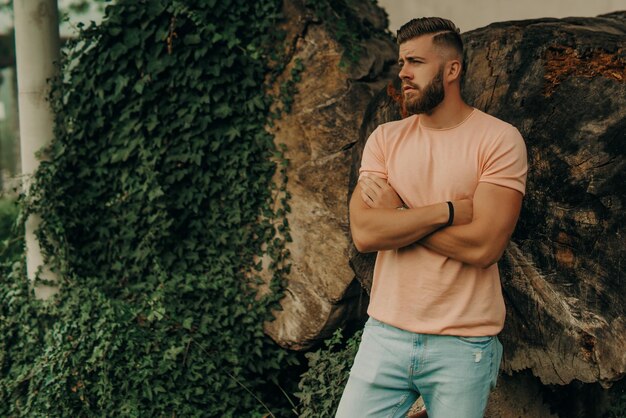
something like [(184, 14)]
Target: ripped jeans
[(393, 367)]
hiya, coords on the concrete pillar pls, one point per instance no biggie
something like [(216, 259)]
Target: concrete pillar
[(37, 51)]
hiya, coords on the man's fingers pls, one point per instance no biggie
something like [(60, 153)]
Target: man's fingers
[(368, 200), (376, 181), (368, 192), (366, 182), (373, 181), (368, 189)]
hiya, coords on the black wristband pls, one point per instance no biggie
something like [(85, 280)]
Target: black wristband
[(451, 213)]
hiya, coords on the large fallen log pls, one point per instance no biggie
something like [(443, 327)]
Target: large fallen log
[(562, 82)]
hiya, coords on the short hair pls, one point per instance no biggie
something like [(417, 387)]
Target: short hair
[(447, 34)]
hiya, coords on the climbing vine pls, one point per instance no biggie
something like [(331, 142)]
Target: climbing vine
[(342, 19), (158, 204), (322, 385)]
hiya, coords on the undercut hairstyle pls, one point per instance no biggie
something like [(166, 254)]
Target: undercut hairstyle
[(446, 32)]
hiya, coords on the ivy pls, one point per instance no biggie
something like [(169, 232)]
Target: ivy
[(322, 384), (347, 26), (288, 87), (158, 203), (11, 235)]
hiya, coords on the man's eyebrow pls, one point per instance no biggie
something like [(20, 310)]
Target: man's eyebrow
[(412, 57)]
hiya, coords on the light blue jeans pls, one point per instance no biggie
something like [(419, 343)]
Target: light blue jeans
[(393, 367)]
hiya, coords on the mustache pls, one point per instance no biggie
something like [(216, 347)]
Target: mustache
[(406, 83)]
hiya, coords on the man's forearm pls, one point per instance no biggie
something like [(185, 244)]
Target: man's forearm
[(482, 241), (386, 229), (468, 243), (462, 243)]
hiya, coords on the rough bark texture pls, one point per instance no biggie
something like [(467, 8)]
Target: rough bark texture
[(319, 132), (562, 83)]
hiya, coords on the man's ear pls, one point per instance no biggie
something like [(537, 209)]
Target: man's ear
[(453, 70)]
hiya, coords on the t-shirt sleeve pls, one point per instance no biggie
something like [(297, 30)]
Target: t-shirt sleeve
[(505, 163), (373, 159)]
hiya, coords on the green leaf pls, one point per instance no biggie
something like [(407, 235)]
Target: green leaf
[(222, 110), (192, 39)]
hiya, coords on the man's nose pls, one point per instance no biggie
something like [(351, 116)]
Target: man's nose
[(404, 73)]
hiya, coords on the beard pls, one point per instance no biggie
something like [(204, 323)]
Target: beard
[(427, 99)]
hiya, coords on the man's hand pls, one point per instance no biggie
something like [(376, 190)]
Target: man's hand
[(378, 194)]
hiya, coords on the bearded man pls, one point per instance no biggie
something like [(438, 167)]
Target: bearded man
[(438, 198)]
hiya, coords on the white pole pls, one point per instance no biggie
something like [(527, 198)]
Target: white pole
[(37, 51)]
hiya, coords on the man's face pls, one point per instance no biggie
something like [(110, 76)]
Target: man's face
[(424, 100), (422, 75)]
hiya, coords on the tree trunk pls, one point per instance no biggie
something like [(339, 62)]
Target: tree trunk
[(37, 55)]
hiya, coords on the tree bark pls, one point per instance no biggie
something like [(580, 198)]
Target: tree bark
[(37, 54)]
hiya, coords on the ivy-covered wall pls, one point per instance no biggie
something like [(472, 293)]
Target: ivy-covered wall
[(157, 202)]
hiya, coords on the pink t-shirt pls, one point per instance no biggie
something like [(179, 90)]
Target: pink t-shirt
[(415, 288)]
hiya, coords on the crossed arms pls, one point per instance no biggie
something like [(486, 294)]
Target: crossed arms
[(481, 230)]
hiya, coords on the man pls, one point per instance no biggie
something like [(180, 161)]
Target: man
[(438, 197)]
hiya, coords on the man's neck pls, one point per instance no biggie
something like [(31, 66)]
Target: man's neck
[(449, 113)]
